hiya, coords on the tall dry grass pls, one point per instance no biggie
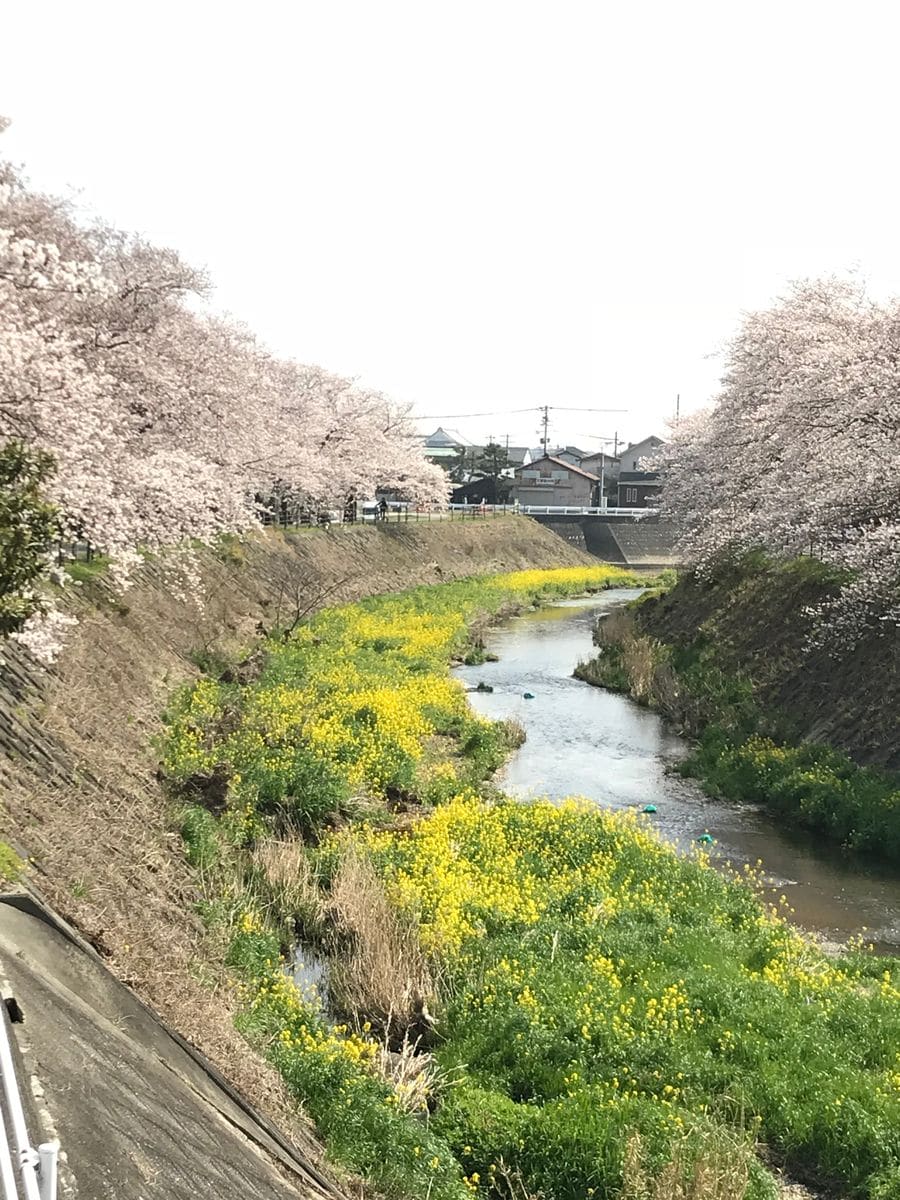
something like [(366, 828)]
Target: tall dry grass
[(648, 674), (285, 887), (382, 973), (719, 1171)]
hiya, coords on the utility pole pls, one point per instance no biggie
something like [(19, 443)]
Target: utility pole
[(677, 406), (545, 440)]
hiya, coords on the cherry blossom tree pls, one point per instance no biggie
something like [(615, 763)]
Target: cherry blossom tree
[(799, 453), (165, 421)]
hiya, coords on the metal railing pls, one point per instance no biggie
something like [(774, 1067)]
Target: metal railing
[(549, 510), (289, 519), (26, 1173)]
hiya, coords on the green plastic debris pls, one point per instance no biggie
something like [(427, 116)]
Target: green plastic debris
[(705, 839), (528, 695), (649, 808)]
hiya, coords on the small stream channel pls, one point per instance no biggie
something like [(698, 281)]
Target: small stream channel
[(584, 741)]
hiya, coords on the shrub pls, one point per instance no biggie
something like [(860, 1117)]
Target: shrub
[(813, 786), (29, 529), (11, 866)]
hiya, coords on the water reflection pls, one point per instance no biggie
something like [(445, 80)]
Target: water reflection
[(585, 741)]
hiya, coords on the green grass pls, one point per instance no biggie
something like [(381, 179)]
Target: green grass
[(593, 986), (815, 787), (597, 985), (86, 572), (11, 865)]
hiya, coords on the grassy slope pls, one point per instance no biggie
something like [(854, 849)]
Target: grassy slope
[(593, 992), (753, 619)]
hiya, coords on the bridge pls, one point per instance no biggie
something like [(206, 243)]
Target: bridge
[(632, 537)]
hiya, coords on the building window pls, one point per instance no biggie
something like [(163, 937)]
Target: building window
[(631, 495)]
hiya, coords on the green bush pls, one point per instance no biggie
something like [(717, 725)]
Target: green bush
[(11, 866), (200, 831), (815, 787)]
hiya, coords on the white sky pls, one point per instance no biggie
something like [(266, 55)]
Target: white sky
[(480, 206)]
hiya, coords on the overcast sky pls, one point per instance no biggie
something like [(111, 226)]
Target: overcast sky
[(480, 207)]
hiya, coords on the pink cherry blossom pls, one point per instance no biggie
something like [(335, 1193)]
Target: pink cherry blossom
[(799, 454), (166, 421)]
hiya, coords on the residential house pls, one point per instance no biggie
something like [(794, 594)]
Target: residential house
[(631, 456), (606, 467), (638, 487), (553, 481), (482, 488), (485, 483), (518, 456), (444, 446), (450, 450), (570, 454)]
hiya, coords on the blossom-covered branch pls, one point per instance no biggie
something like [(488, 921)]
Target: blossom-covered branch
[(166, 422), (800, 452)]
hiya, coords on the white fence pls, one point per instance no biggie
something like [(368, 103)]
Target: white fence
[(26, 1173), (550, 510)]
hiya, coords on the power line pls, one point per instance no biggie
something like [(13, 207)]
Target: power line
[(511, 412), (467, 416), (565, 408)]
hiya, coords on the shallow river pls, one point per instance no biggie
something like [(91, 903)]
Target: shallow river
[(585, 741)]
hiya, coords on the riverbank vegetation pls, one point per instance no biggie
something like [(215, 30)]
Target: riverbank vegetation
[(780, 646), (520, 1000), (778, 721)]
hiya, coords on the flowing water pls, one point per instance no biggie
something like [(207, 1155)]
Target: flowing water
[(584, 741)]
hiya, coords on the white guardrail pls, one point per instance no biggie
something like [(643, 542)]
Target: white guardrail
[(550, 510), (36, 1168)]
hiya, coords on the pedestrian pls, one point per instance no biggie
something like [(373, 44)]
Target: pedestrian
[(382, 508)]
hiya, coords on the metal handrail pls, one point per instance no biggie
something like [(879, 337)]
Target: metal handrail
[(37, 1167), (549, 510)]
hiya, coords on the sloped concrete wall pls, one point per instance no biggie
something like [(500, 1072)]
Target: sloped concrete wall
[(645, 543), (137, 1112)]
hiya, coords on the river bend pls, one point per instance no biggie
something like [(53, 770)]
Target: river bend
[(585, 741)]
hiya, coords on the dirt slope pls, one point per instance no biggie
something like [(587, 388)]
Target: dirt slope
[(757, 621)]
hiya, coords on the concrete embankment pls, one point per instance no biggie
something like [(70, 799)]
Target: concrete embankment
[(140, 1112), (81, 797), (648, 543)]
